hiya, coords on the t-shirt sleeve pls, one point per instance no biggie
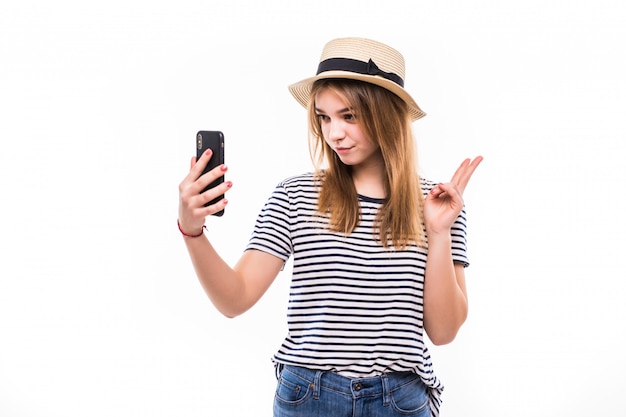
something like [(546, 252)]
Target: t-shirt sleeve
[(272, 230)]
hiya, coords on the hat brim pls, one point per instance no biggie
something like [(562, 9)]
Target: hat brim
[(301, 90)]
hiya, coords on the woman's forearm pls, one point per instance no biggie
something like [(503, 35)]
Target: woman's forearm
[(445, 298), (220, 282)]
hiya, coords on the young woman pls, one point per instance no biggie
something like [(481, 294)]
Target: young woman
[(379, 253)]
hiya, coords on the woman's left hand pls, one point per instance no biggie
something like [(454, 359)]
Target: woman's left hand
[(445, 201)]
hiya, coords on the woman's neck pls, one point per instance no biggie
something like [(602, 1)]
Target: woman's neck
[(369, 181)]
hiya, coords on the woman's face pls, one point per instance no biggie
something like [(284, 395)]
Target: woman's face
[(342, 132)]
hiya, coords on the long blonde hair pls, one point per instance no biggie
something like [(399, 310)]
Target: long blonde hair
[(384, 118)]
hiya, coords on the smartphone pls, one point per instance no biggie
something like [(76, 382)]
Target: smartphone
[(214, 140)]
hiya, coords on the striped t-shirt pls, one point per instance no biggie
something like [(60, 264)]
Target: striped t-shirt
[(355, 307)]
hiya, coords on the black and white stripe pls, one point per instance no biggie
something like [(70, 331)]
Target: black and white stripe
[(355, 307)]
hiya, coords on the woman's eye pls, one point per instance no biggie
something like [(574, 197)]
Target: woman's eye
[(323, 117)]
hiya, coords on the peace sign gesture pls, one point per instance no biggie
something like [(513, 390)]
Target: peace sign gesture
[(445, 201)]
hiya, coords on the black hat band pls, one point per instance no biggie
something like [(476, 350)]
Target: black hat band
[(359, 67)]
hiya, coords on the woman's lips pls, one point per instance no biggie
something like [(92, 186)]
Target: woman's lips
[(342, 151)]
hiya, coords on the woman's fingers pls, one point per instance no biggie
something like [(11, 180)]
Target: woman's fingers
[(463, 174), (449, 189), (212, 193), (196, 166), (194, 193), (195, 182)]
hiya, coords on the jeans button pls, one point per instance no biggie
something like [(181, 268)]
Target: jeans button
[(358, 386)]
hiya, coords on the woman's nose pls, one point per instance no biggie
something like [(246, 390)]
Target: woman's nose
[(336, 131)]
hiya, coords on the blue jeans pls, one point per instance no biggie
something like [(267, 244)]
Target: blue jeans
[(309, 393)]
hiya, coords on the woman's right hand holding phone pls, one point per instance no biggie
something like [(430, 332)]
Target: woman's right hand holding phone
[(192, 211)]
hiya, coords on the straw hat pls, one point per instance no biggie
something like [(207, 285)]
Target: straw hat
[(360, 59)]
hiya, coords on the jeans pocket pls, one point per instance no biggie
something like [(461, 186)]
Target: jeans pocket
[(292, 389), (411, 399)]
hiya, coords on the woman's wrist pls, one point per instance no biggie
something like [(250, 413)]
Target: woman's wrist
[(189, 233), (439, 238)]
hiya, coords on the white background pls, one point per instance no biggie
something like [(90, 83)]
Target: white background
[(100, 311)]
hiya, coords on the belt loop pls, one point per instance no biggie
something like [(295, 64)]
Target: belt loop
[(386, 392), (317, 384)]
